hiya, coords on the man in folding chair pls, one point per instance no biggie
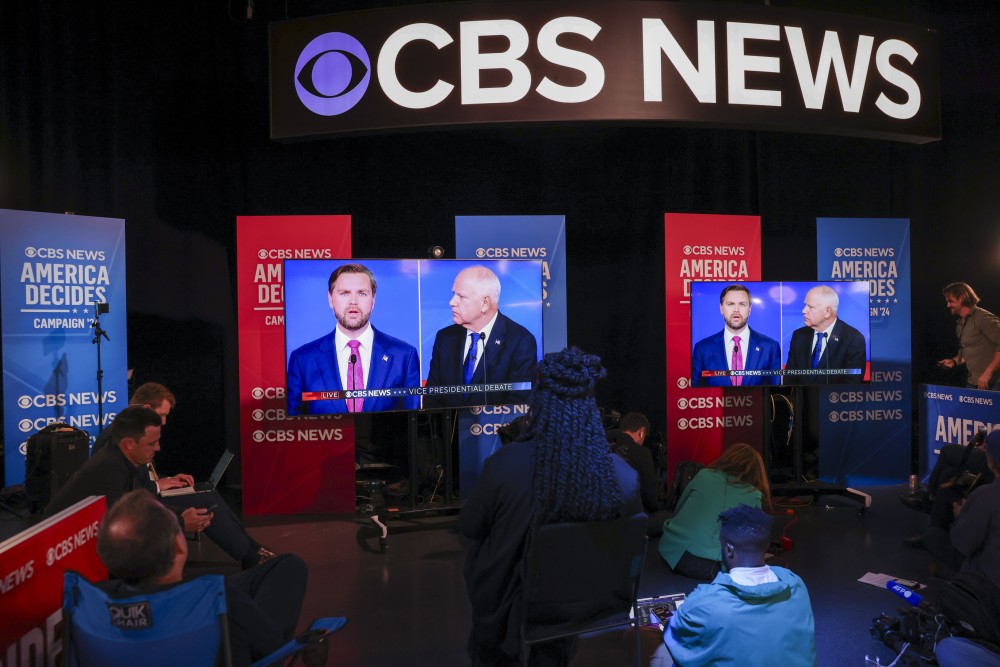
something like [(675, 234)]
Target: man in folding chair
[(141, 543), (751, 615)]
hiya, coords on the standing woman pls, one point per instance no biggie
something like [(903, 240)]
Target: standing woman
[(690, 540), (561, 471)]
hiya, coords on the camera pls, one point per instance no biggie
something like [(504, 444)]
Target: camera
[(916, 629)]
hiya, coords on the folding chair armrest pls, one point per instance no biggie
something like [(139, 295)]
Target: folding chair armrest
[(317, 632)]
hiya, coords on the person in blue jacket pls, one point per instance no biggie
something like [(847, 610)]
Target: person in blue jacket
[(752, 615)]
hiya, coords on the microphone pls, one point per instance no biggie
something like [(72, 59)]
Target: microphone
[(907, 594)]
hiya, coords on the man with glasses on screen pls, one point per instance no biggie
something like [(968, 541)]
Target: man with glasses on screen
[(354, 356), (736, 347), (825, 342), (483, 346)]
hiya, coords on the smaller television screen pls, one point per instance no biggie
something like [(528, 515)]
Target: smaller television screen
[(754, 334), (376, 335)]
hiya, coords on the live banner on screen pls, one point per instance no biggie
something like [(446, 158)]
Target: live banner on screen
[(538, 237), (865, 431), (290, 465), (701, 421), (54, 270)]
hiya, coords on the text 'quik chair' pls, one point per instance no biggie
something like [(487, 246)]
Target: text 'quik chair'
[(581, 577), (182, 626)]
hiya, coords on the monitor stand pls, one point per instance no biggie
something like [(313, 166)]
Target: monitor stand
[(798, 486)]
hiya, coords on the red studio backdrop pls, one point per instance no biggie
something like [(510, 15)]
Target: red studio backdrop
[(702, 421), (290, 465)]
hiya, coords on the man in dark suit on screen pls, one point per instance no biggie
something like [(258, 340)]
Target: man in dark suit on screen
[(483, 346), (355, 355), (825, 342), (736, 347)]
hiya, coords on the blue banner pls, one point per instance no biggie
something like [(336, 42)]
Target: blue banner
[(54, 270), (865, 430), (510, 237), (951, 416)]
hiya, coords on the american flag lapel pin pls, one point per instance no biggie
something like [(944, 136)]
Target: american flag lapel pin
[(385, 357)]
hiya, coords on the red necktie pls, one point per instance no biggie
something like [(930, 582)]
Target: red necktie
[(737, 361), (355, 377)]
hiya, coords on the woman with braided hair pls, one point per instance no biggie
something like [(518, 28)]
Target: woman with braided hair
[(562, 470)]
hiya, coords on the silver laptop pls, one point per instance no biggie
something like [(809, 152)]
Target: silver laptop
[(210, 485)]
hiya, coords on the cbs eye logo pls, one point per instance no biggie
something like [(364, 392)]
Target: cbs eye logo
[(332, 74)]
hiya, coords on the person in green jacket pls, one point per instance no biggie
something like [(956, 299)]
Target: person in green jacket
[(690, 541)]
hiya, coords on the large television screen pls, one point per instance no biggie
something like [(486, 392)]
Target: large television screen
[(790, 333), (375, 335)]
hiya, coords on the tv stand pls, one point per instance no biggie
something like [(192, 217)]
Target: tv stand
[(797, 487), (442, 500)]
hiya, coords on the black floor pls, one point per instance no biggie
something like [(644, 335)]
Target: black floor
[(408, 605)]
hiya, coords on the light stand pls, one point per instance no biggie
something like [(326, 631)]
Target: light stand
[(99, 309)]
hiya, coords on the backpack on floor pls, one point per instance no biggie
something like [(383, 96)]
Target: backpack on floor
[(53, 455), (683, 474)]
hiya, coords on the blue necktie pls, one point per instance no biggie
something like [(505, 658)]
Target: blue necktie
[(818, 350), (470, 361)]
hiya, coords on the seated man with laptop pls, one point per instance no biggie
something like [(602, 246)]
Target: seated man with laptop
[(128, 465), (751, 614)]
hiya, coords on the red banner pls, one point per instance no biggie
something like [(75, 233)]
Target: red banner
[(290, 465), (32, 564), (702, 421)]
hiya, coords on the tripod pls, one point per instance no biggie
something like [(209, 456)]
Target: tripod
[(99, 308)]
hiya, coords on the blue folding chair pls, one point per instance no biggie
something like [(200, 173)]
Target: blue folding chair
[(181, 626)]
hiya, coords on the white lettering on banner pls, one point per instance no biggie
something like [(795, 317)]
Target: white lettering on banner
[(58, 284), (485, 429), (60, 323), (291, 435), (60, 400), (724, 250), (72, 543), (705, 402), (714, 268), (79, 421), (887, 376), (975, 400), (64, 253), (289, 253), (865, 415), (17, 576), (473, 61), (513, 253), (267, 392), (958, 431), (870, 396), (728, 421), (701, 79), (37, 646), (881, 274), (499, 410)]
